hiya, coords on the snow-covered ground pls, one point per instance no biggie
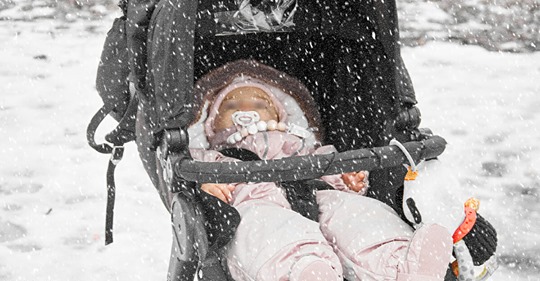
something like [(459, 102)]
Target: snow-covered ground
[(52, 185)]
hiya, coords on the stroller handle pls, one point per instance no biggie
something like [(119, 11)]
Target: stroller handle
[(308, 166)]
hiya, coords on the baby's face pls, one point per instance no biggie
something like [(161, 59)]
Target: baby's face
[(244, 99)]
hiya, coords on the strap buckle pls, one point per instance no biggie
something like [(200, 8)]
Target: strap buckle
[(116, 154)]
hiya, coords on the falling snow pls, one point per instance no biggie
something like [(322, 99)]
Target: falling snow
[(52, 185)]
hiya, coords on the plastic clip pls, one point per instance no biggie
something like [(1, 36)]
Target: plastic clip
[(411, 175), (116, 154), (412, 171)]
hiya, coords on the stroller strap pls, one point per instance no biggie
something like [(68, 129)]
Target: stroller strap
[(123, 133)]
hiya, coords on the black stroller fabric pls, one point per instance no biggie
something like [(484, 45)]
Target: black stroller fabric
[(221, 220), (339, 42), (345, 53), (112, 75)]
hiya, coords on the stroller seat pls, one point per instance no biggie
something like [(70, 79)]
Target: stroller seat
[(347, 55), (347, 58)]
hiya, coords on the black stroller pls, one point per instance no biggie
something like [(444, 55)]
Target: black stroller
[(348, 56)]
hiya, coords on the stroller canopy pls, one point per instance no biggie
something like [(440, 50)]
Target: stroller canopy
[(347, 54)]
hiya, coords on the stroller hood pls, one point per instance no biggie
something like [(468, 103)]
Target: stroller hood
[(293, 99)]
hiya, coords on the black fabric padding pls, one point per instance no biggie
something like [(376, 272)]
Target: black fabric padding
[(308, 166), (221, 219), (302, 196)]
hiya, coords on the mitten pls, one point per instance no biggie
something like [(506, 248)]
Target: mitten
[(481, 240)]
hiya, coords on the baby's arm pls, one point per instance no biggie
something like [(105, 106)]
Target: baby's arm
[(220, 190), (355, 182)]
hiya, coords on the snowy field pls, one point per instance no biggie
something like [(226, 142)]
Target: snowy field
[(52, 184)]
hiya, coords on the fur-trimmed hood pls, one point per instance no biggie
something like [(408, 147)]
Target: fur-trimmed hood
[(300, 106)]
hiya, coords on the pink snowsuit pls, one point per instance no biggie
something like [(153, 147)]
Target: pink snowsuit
[(357, 238)]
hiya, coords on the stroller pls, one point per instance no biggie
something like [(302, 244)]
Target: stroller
[(348, 56)]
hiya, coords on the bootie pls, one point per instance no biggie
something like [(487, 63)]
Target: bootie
[(312, 268), (428, 255)]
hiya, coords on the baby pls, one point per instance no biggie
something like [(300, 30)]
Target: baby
[(352, 236), (249, 105)]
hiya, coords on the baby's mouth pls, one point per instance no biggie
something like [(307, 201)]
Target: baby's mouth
[(245, 119)]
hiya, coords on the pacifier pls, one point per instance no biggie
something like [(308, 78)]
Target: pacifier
[(248, 121), (250, 124), (245, 118)]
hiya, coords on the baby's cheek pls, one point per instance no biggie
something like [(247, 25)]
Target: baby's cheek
[(267, 115), (223, 120)]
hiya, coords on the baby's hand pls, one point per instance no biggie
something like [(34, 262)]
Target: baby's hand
[(356, 181), (220, 190)]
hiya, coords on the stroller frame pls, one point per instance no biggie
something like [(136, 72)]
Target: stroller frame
[(173, 140), (163, 71)]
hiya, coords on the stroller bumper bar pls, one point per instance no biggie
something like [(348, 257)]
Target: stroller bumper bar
[(307, 167)]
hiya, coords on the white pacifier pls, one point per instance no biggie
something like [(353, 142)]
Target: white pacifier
[(248, 121), (250, 124), (245, 118)]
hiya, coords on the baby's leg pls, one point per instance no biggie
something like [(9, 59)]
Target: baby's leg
[(273, 243), (373, 243)]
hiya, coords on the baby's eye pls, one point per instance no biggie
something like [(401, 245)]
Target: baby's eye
[(230, 105), (260, 104)]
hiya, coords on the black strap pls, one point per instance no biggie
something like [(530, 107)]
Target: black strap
[(116, 151), (111, 193), (109, 213), (124, 131), (94, 124), (300, 194), (240, 154)]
